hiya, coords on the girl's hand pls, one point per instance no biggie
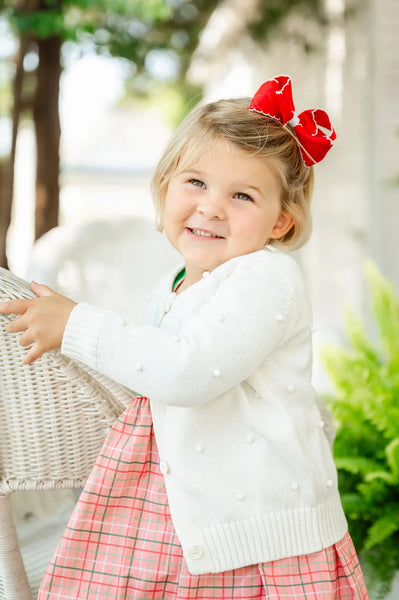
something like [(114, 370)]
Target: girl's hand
[(42, 320)]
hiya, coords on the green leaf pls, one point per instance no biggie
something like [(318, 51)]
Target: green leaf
[(392, 453), (354, 505), (356, 333), (382, 529), (385, 475), (386, 311), (356, 464)]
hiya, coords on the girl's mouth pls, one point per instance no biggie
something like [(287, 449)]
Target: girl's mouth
[(204, 234)]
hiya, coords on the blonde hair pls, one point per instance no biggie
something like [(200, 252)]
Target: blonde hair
[(253, 133)]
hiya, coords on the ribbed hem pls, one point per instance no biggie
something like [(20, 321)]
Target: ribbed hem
[(265, 538), (81, 334)]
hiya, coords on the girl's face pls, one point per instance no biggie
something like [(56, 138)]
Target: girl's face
[(226, 204)]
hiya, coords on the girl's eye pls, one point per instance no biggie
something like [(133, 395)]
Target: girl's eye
[(242, 196), (197, 182)]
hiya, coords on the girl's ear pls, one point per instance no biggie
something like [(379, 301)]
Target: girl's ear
[(282, 226)]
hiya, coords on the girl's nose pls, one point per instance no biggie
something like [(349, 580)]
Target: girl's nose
[(212, 206)]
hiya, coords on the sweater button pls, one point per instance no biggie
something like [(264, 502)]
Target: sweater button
[(291, 387), (199, 448), (176, 338), (217, 372), (250, 438), (195, 552), (280, 317), (321, 423), (205, 274), (164, 467), (329, 483), (257, 395), (240, 497), (294, 486), (139, 367)]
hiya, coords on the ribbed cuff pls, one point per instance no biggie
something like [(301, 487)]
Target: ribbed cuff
[(80, 340)]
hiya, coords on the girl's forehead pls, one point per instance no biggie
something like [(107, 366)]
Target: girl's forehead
[(220, 152), (195, 151), (205, 150)]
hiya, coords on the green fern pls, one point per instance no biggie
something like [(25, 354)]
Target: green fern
[(392, 452), (386, 309), (365, 405), (382, 529)]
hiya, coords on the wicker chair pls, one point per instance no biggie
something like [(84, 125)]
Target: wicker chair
[(54, 415)]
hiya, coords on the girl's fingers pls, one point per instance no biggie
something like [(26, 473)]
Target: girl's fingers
[(33, 354), (16, 325), (26, 339), (15, 307), (18, 307), (41, 290)]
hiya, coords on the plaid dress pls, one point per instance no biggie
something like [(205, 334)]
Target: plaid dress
[(120, 541)]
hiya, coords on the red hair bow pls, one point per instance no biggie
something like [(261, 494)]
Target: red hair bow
[(274, 99)]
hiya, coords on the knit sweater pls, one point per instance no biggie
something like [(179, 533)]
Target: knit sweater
[(227, 365)]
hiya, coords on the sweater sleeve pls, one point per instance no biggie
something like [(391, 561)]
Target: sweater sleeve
[(218, 346)]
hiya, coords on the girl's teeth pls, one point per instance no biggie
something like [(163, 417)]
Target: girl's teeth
[(204, 233)]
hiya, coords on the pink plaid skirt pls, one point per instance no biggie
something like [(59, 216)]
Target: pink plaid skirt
[(120, 541)]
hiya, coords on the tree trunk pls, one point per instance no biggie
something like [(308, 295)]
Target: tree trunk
[(7, 167), (5, 211), (48, 133)]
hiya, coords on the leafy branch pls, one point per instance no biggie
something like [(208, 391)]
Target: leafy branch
[(365, 404)]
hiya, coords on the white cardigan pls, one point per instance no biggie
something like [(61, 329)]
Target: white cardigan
[(227, 365)]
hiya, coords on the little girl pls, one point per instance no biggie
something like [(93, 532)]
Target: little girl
[(218, 482)]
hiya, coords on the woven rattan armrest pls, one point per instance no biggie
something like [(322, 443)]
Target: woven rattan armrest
[(54, 415)]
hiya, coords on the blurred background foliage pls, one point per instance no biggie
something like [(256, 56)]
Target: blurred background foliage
[(365, 376), (143, 32)]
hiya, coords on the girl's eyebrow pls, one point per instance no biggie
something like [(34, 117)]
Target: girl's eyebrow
[(190, 172), (254, 187), (248, 186)]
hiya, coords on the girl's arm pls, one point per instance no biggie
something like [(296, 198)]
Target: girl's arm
[(219, 346)]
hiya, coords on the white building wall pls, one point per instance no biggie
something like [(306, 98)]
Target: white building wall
[(384, 151), (353, 72)]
